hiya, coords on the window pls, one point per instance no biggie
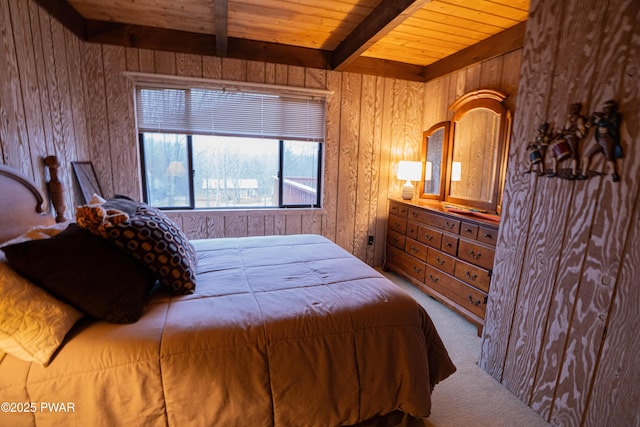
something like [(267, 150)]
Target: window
[(221, 148)]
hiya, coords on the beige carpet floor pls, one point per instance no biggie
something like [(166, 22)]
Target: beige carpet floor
[(470, 397)]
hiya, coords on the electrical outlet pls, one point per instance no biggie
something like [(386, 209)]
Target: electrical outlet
[(370, 241)]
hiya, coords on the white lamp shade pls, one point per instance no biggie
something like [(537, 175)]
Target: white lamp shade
[(409, 171), (456, 171)]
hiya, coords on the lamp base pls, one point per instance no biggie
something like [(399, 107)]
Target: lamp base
[(407, 191)]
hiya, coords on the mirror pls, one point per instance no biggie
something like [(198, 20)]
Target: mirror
[(476, 162), (465, 160), (435, 141)]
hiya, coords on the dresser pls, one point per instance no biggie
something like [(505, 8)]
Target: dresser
[(449, 256)]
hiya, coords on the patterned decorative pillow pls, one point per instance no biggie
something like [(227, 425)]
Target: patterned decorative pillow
[(155, 240)]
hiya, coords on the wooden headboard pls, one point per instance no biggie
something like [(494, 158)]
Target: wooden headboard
[(23, 206)]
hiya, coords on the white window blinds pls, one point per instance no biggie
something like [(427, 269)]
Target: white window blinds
[(230, 113)]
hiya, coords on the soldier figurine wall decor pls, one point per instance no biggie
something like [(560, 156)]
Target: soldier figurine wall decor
[(537, 149), (604, 129), (572, 133)]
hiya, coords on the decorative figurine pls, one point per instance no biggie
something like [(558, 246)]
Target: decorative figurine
[(605, 129), (538, 148), (567, 140)]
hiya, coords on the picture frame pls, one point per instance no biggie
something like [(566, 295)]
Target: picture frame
[(87, 181)]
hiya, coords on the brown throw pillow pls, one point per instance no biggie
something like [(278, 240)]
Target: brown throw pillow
[(86, 271)]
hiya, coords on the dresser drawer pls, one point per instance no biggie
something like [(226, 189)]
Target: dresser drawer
[(412, 229), (449, 244), (416, 249), (448, 224), (398, 224), (487, 235), (396, 239), (406, 263), (475, 276), (475, 253), (398, 209), (418, 215), (470, 231), (441, 261), (429, 236), (463, 295)]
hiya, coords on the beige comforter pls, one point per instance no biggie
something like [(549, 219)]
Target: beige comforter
[(285, 331)]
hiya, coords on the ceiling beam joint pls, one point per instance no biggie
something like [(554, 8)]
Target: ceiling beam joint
[(221, 17), (384, 18)]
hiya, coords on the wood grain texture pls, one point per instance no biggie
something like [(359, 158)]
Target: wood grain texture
[(121, 124), (15, 144), (96, 113), (76, 92), (614, 395), (25, 67), (164, 62), (234, 69), (332, 155), (348, 161), (576, 61), (379, 177), (545, 258), (147, 61), (365, 166), (189, 65), (604, 254), (58, 81), (520, 190), (211, 67), (255, 72)]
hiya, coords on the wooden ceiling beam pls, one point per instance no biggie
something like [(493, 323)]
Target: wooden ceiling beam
[(142, 37), (66, 14), (499, 44), (139, 36), (385, 68), (384, 18), (221, 19)]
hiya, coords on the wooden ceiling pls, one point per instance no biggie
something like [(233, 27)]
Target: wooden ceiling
[(409, 39)]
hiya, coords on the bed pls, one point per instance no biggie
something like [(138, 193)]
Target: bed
[(279, 331)]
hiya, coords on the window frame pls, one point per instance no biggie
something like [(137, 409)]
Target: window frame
[(191, 173), (163, 81)]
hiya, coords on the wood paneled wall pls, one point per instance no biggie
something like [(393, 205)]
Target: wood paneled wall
[(69, 98), (564, 310), (563, 313)]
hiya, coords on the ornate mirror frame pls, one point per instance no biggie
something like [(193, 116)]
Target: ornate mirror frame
[(471, 110), (476, 103), (435, 143)]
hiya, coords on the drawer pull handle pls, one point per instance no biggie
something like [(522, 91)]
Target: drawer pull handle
[(447, 244), (476, 303), (449, 225), (417, 269), (433, 278), (475, 255), (487, 236), (397, 224), (440, 261), (414, 249), (414, 214), (471, 276), (468, 230), (428, 237)]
